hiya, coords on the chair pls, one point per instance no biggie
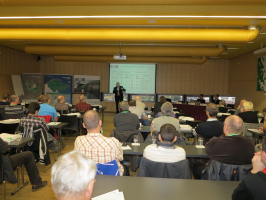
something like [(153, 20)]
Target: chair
[(8, 128), (2, 180), (72, 121), (247, 126), (62, 112), (178, 170), (47, 118), (224, 172), (110, 168)]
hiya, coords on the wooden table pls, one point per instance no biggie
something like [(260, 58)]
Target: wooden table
[(143, 188)]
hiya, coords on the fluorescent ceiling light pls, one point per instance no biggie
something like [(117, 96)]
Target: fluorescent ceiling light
[(132, 16)]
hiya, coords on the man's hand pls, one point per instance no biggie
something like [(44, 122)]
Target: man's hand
[(256, 163)]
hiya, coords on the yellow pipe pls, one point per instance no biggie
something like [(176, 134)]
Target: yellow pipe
[(127, 50), (130, 34), (119, 2), (181, 60)]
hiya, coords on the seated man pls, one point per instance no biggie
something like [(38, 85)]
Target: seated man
[(232, 149), (97, 147), (222, 108), (138, 111), (158, 105), (139, 104), (25, 158), (201, 99), (46, 109), (167, 109), (125, 121), (62, 105), (6, 98), (73, 176), (253, 186), (212, 127), (216, 99), (165, 151), (247, 114), (82, 106), (240, 106), (15, 111), (33, 121)]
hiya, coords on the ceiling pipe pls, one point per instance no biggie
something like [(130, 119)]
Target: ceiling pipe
[(130, 34), (180, 60), (127, 50), (120, 2)]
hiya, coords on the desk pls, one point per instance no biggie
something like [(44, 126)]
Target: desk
[(197, 112), (144, 188), (191, 150), (257, 134), (20, 143)]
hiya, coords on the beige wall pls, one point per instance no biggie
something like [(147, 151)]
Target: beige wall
[(243, 80), (14, 62)]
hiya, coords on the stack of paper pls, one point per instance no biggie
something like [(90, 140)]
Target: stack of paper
[(9, 137), (78, 114), (114, 195), (53, 123), (10, 121), (255, 130)]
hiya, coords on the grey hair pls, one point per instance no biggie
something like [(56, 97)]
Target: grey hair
[(123, 106), (91, 119), (167, 108), (212, 109), (72, 173), (13, 98), (235, 124)]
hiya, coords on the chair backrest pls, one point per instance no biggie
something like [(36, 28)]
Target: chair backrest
[(8, 128), (72, 121), (247, 126), (110, 168), (224, 172), (47, 118), (179, 170)]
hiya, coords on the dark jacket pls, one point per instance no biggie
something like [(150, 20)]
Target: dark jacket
[(210, 129), (126, 121), (234, 150), (251, 188), (223, 109), (8, 171), (120, 97), (157, 107), (223, 172), (249, 117), (216, 101), (179, 170), (201, 100)]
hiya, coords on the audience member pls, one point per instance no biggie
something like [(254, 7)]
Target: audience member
[(25, 158), (159, 114), (165, 150), (82, 106), (232, 149), (222, 107), (46, 109), (5, 102), (201, 99), (216, 99), (6, 97), (73, 176), (33, 121), (212, 127), (247, 115), (40, 99), (253, 186), (139, 104), (240, 106), (138, 111), (14, 111), (125, 121), (158, 105), (97, 147), (167, 109), (62, 105)]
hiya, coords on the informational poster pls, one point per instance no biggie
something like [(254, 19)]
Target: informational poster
[(90, 86), (56, 85), (32, 86), (261, 79)]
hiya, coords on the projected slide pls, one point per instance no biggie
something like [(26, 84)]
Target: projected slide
[(135, 78)]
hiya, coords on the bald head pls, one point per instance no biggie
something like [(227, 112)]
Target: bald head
[(61, 99), (233, 125), (91, 120), (137, 98)]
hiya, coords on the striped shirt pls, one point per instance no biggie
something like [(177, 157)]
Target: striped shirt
[(100, 149), (15, 112), (83, 106)]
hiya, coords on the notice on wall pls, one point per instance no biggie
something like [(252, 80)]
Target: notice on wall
[(32, 86)]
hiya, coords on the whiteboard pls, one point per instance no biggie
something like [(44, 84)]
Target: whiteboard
[(17, 84)]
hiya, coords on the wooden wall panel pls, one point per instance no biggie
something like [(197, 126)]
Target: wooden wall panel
[(14, 62), (243, 80)]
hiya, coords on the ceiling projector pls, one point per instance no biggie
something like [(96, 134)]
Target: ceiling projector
[(120, 57)]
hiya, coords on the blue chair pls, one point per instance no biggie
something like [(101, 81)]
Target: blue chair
[(110, 168)]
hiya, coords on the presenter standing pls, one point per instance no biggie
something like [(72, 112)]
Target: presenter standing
[(118, 90)]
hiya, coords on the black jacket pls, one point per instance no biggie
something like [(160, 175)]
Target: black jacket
[(216, 101), (223, 109), (157, 107), (201, 100), (210, 129), (120, 97), (249, 117)]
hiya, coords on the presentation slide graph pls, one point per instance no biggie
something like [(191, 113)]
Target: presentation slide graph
[(135, 78)]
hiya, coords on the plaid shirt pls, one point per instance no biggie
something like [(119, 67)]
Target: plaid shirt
[(32, 121), (62, 106), (83, 106), (101, 149)]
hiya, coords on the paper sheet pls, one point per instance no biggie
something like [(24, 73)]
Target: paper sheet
[(200, 146), (9, 137), (53, 123), (126, 148), (113, 195)]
